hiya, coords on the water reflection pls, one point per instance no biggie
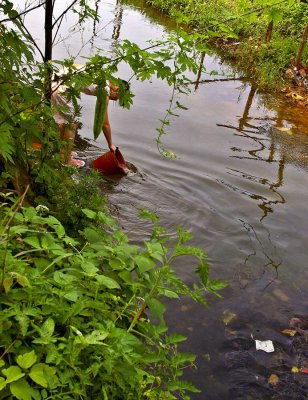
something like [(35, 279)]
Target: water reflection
[(117, 22), (251, 270), (264, 150)]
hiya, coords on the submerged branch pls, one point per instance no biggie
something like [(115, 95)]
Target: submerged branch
[(241, 78)]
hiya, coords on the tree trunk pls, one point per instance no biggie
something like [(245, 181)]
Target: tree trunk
[(48, 45), (301, 47)]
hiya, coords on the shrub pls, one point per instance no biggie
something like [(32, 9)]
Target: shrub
[(72, 321)]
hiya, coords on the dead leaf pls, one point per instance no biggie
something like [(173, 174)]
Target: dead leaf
[(273, 380), (228, 316), (282, 128), (289, 332), (280, 295), (296, 96), (295, 370)]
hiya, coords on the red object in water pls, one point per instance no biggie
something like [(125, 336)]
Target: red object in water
[(111, 163)]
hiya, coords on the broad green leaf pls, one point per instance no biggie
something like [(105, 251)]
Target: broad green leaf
[(6, 142), (144, 263), (2, 383), (176, 338), (33, 241), (116, 264), (155, 250), (22, 280), (7, 283), (96, 337), (108, 282), (169, 293), (157, 309), (146, 214), (26, 360), (217, 285), (64, 279), (44, 375), (23, 391), (89, 268), (89, 213), (72, 295), (12, 373), (203, 271), (47, 328), (56, 225), (181, 358), (92, 235)]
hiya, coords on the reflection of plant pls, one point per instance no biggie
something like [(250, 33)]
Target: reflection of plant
[(72, 324)]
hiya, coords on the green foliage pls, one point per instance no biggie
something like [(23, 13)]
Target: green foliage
[(247, 22), (73, 322)]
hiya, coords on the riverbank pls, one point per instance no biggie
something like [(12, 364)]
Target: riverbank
[(262, 41)]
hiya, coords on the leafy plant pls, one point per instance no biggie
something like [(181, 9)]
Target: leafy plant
[(85, 319)]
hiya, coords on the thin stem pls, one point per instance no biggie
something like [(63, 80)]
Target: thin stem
[(22, 13)]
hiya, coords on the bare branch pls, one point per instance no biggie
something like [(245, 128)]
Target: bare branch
[(22, 13), (64, 12)]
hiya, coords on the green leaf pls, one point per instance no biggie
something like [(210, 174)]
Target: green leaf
[(96, 337), (89, 268), (7, 283), (44, 375), (89, 213), (2, 383), (116, 264), (33, 241), (6, 142), (203, 271), (157, 309), (26, 360), (146, 214), (217, 285), (47, 328), (169, 293), (108, 282), (144, 263), (72, 296), (22, 280), (13, 373), (175, 338), (23, 391)]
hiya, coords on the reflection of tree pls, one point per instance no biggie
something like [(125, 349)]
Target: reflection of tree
[(248, 130), (268, 251), (94, 33), (200, 70), (117, 22)]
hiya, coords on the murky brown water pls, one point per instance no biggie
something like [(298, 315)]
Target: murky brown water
[(239, 185)]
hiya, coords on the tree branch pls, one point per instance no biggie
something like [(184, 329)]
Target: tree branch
[(64, 12), (22, 13)]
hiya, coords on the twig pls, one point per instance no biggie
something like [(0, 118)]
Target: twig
[(22, 13), (64, 12)]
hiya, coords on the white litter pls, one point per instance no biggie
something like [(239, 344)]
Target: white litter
[(266, 345)]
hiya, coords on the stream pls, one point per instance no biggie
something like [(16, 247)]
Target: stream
[(238, 184)]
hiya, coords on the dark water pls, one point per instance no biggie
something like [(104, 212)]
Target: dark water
[(239, 185)]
